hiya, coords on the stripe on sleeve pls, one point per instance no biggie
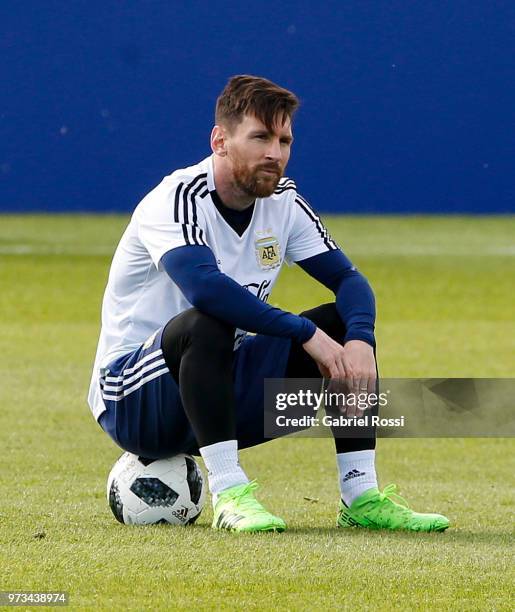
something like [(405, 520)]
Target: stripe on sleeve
[(190, 235), (285, 185), (197, 231), (177, 200), (185, 234), (328, 241)]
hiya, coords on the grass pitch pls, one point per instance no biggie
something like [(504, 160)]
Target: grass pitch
[(445, 294)]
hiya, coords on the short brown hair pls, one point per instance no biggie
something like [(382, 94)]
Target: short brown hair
[(250, 95)]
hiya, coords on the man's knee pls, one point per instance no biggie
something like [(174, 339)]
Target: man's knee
[(326, 317), (201, 327), (197, 334)]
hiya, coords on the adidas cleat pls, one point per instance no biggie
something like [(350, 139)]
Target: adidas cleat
[(238, 510), (377, 510)]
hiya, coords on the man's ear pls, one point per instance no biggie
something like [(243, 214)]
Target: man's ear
[(218, 141)]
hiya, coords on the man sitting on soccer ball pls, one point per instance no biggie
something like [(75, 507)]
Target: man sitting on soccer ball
[(175, 371)]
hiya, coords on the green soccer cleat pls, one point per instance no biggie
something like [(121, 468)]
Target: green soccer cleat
[(376, 510), (238, 510)]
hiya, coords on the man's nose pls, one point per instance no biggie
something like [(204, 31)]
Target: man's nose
[(274, 150)]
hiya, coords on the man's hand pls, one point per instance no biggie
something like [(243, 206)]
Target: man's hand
[(352, 364)]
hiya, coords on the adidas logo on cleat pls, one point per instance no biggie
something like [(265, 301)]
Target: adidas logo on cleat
[(344, 520), (348, 521), (227, 520), (352, 474)]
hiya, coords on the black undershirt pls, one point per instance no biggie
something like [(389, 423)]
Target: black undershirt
[(238, 219)]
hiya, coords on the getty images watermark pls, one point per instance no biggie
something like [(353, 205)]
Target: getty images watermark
[(404, 408), (338, 404)]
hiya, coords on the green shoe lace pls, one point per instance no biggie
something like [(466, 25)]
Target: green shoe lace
[(392, 507), (243, 496), (390, 491)]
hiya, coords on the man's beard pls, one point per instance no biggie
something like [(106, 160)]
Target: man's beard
[(254, 183)]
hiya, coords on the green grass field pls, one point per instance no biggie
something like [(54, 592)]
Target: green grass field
[(445, 290)]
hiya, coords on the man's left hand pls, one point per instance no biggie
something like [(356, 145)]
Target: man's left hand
[(360, 371)]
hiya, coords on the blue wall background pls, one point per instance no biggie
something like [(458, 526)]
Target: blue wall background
[(407, 106)]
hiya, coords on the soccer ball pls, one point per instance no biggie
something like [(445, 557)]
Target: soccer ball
[(144, 491)]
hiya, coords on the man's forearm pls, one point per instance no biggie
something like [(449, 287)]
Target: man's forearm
[(194, 270), (354, 297), (356, 306)]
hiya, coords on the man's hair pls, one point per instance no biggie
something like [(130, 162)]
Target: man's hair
[(251, 95)]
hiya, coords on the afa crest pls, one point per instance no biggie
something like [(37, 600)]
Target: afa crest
[(268, 252)]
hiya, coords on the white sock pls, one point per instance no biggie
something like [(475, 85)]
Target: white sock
[(223, 467), (357, 473)]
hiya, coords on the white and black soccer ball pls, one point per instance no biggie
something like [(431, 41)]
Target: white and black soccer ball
[(144, 492)]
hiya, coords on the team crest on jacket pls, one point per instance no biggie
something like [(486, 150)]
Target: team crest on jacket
[(268, 252)]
